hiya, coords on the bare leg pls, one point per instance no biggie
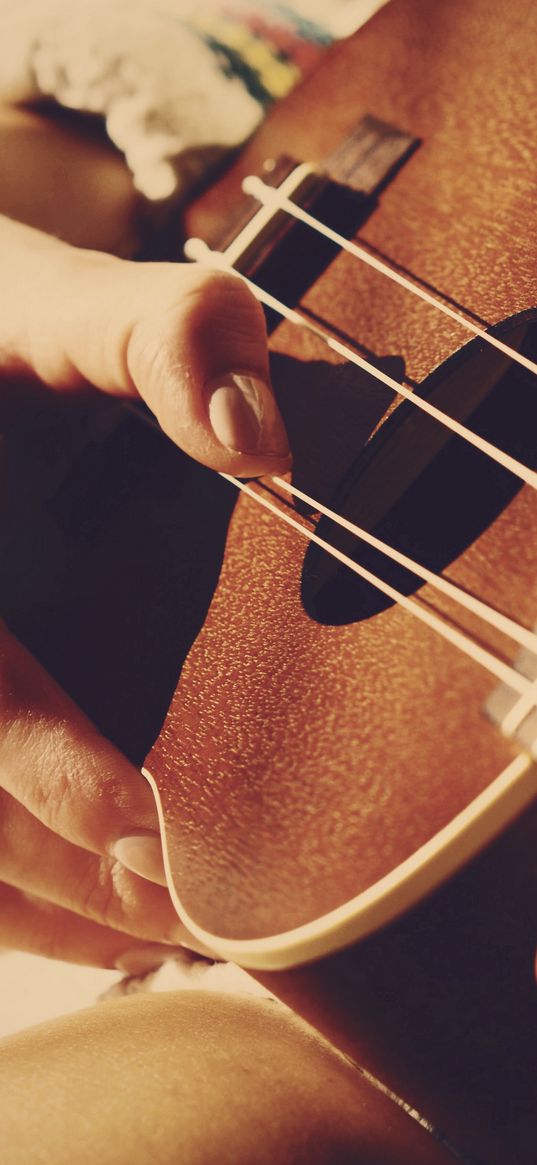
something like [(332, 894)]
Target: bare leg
[(196, 1078)]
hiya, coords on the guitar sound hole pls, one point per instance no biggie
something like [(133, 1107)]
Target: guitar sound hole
[(429, 494)]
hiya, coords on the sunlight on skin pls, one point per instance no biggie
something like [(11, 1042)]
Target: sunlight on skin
[(194, 1077), (65, 178)]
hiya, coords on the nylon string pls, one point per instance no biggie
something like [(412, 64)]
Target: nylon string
[(506, 674), (494, 618), (271, 196), (198, 251)]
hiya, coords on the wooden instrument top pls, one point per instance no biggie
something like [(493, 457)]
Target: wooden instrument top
[(257, 766)]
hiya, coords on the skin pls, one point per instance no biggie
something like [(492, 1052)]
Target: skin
[(191, 1077), (194, 1078), (72, 317)]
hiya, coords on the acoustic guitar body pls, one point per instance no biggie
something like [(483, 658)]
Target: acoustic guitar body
[(342, 809), (321, 737), (321, 742)]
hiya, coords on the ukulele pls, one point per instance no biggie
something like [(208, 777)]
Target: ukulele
[(344, 765)]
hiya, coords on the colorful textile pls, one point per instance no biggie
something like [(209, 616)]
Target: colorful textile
[(178, 82)]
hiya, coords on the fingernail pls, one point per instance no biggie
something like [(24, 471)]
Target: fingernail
[(140, 960), (245, 418), (142, 853)]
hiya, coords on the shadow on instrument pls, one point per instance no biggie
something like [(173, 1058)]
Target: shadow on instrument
[(422, 490), (112, 539)]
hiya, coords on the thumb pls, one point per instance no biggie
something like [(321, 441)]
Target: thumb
[(190, 342), (200, 360)]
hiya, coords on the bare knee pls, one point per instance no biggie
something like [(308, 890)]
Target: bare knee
[(196, 1077)]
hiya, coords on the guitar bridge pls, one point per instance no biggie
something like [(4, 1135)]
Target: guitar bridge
[(344, 189)]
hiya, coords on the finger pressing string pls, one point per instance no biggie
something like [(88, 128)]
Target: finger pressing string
[(197, 250), (469, 647), (191, 343)]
